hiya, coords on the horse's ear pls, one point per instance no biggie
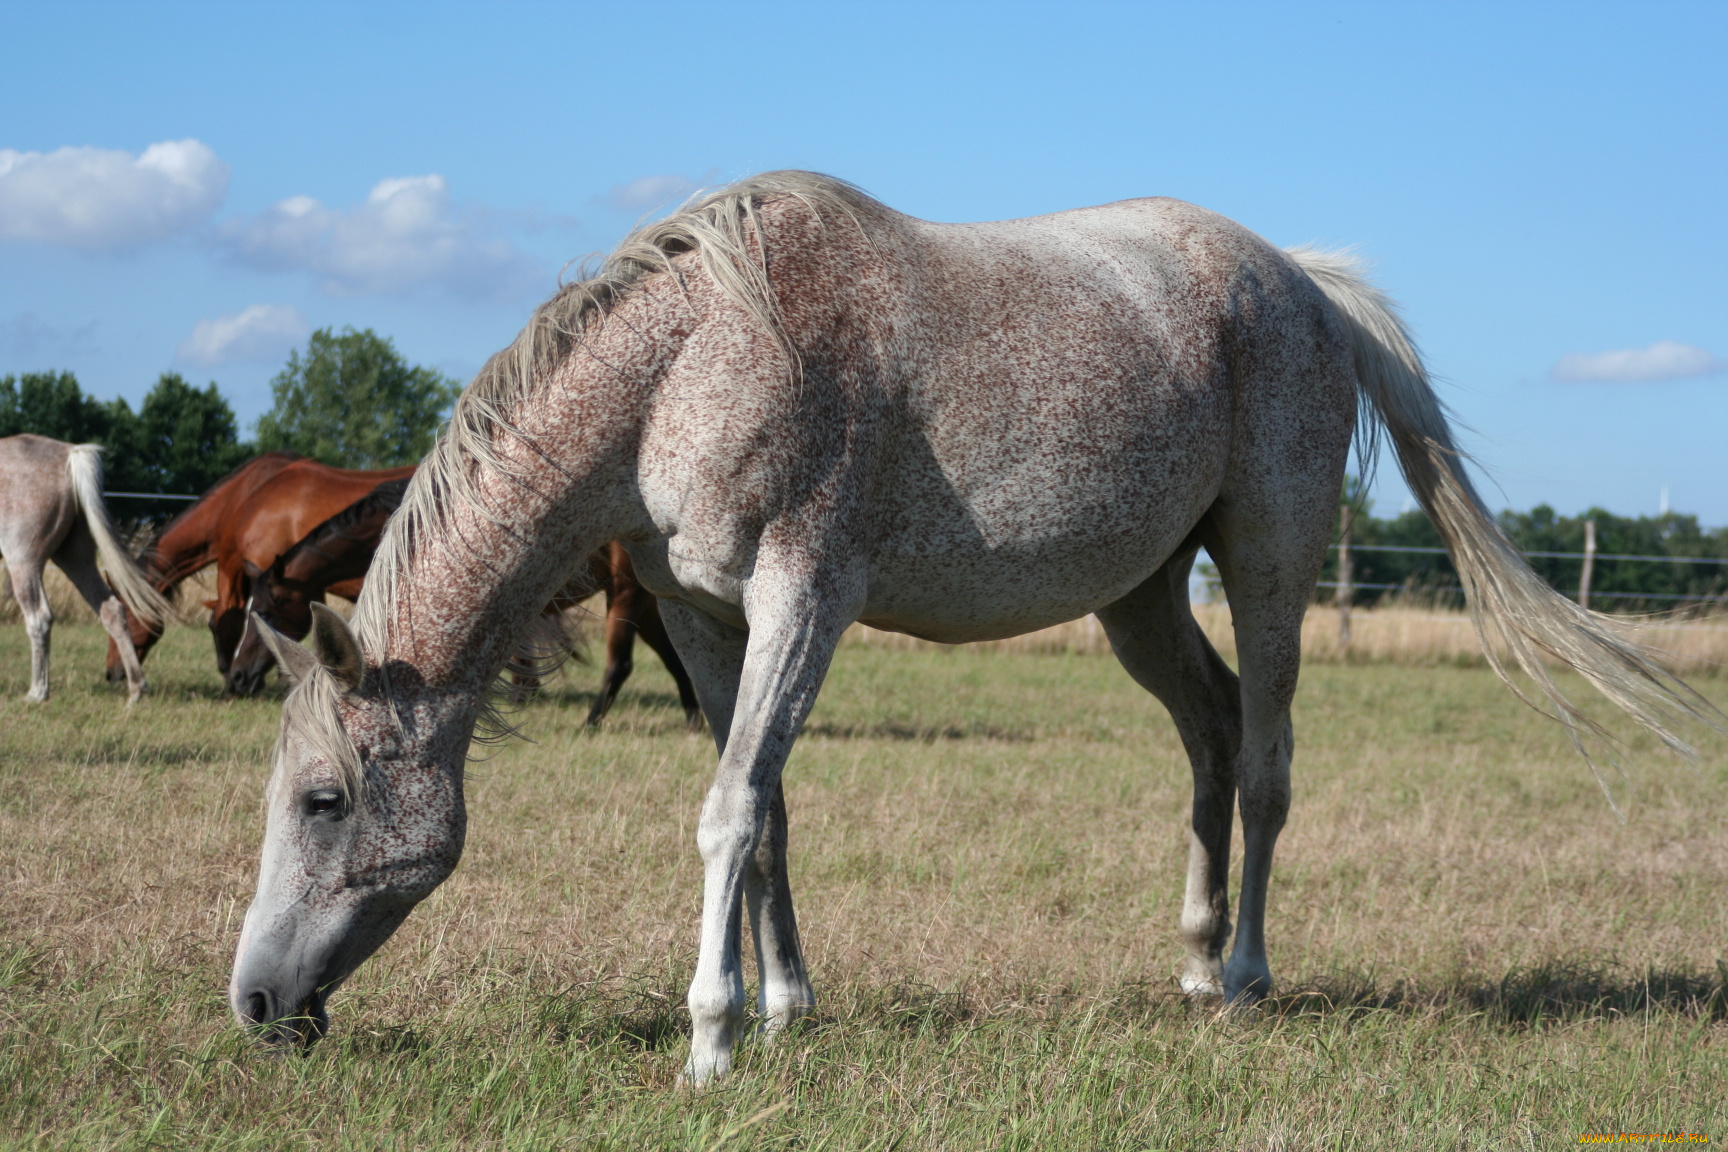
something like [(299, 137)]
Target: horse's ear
[(295, 661), (335, 647)]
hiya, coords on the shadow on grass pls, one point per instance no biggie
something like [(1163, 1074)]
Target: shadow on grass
[(201, 690), (637, 1021), (397, 1040), (642, 1022), (113, 750), (1555, 991), (627, 701), (921, 734)]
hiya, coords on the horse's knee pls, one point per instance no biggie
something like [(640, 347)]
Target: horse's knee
[(39, 624)]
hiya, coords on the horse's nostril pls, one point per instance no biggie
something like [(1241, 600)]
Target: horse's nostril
[(258, 1007)]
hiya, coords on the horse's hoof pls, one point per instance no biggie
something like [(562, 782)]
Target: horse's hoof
[(1243, 990), (1200, 980), (700, 1074)]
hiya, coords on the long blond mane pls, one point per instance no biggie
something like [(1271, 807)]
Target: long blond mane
[(722, 229)]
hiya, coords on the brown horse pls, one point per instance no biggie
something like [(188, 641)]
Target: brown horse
[(334, 554), (258, 512), (340, 550), (186, 546)]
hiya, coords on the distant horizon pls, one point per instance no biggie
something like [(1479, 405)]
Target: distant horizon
[(195, 189)]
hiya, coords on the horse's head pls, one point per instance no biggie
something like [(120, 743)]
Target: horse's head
[(364, 818), (286, 605)]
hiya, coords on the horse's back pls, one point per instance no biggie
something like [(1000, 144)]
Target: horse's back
[(1039, 411), (1074, 408), (296, 500)]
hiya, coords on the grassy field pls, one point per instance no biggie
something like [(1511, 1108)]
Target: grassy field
[(1474, 952)]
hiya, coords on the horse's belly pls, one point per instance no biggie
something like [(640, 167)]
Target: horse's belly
[(964, 594)]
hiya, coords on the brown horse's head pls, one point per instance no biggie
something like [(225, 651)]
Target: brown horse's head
[(286, 605)]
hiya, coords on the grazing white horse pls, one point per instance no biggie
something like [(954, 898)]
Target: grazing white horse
[(798, 408), (51, 509)]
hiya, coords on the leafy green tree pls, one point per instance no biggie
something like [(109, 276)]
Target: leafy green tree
[(182, 440), (1619, 584), (187, 437), (351, 400), (52, 404)]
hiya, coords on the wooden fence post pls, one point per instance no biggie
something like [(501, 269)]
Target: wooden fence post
[(1345, 593), (1589, 563)]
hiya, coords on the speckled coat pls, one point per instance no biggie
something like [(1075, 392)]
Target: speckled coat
[(956, 431)]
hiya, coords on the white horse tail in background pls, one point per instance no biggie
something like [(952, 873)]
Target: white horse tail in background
[(84, 465), (1510, 604)]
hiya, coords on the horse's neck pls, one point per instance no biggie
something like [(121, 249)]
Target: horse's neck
[(184, 547), (480, 572)]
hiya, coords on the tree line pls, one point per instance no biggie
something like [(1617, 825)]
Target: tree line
[(348, 399), (1541, 529)]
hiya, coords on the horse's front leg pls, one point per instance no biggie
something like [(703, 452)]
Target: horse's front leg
[(756, 689), (784, 995)]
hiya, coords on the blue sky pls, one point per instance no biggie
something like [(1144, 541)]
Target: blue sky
[(1544, 186)]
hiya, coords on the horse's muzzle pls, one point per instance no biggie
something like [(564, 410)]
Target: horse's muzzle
[(245, 681), (298, 1027)]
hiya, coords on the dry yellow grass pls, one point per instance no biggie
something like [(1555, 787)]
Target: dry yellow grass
[(1395, 634), (987, 853), (69, 607)]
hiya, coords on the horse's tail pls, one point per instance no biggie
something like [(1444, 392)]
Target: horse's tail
[(1511, 607), (84, 466)]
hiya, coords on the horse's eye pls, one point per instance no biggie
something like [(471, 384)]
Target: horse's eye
[(323, 802)]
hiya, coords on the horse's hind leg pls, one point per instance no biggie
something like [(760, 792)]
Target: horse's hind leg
[(26, 573), (1156, 638), (77, 558), (1270, 544)]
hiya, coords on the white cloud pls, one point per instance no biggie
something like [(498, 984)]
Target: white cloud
[(262, 332), (406, 235), (99, 199), (651, 192), (1663, 360)]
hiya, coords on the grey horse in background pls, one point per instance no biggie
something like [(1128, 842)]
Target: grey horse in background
[(51, 509)]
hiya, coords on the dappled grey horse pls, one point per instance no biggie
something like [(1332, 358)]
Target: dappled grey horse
[(798, 408), (51, 509)]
